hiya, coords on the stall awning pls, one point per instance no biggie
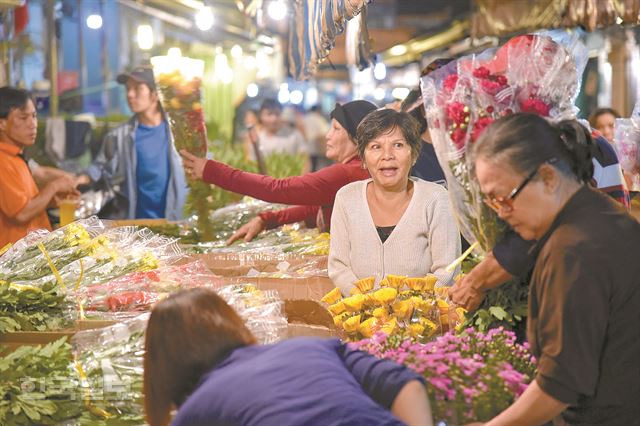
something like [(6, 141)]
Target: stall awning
[(503, 17)]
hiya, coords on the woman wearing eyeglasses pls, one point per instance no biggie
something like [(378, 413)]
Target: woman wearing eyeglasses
[(584, 300), (391, 224)]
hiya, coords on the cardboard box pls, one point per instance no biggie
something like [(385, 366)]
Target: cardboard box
[(306, 330), (308, 318), (313, 288), (11, 341), (138, 222), (255, 264)]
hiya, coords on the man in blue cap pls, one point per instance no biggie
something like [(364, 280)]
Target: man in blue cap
[(138, 163)]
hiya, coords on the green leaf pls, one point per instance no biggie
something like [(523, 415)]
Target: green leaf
[(498, 312), (30, 411)]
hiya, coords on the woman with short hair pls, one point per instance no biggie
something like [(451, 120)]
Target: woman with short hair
[(391, 224)]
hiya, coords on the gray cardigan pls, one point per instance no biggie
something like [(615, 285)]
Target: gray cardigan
[(425, 240), (115, 165)]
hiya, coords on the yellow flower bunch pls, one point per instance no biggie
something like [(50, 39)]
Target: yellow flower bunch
[(149, 262), (75, 234), (414, 305)]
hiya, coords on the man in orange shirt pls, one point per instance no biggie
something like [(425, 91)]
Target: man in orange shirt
[(22, 206)]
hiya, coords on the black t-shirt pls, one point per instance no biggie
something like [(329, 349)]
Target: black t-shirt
[(427, 166), (584, 309)]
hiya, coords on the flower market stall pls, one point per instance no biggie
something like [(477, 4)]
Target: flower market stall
[(74, 303)]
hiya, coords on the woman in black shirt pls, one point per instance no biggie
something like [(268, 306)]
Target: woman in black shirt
[(584, 300)]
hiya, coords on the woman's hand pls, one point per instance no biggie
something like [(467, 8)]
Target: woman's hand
[(193, 166), (248, 230)]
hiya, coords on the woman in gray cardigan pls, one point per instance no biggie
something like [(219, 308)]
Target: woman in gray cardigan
[(391, 224)]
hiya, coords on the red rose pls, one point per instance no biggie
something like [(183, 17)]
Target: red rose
[(501, 80), (481, 72), (535, 106), (490, 87), (458, 138), (450, 82), (479, 126), (456, 112)]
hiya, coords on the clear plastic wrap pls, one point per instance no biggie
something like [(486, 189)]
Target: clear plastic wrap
[(138, 291), (29, 308), (109, 366), (289, 239), (41, 274), (530, 73), (69, 236), (263, 311), (627, 145)]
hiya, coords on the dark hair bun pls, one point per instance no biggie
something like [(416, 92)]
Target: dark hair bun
[(577, 142)]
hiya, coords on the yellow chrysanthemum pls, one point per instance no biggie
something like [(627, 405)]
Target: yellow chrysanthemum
[(416, 329), (396, 281), (332, 297), (443, 304), (354, 290), (416, 284), (370, 300), (368, 327), (430, 283), (339, 319), (386, 295), (390, 326), (337, 308), (441, 292), (380, 313), (354, 303), (351, 325), (417, 302), (430, 327), (365, 284), (402, 309)]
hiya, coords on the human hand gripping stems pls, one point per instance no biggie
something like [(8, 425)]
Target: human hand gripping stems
[(193, 166)]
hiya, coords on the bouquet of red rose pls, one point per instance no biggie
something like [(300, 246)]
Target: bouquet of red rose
[(530, 73), (627, 145)]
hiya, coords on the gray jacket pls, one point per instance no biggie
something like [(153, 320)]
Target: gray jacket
[(114, 168)]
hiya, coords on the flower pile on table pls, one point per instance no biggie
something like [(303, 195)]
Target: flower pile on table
[(401, 304), (472, 376), (42, 275)]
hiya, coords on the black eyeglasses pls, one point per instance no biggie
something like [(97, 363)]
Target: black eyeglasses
[(506, 203)]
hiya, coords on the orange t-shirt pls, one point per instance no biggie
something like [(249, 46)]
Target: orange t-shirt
[(17, 187)]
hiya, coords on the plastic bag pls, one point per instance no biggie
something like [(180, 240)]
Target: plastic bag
[(530, 73), (138, 291), (627, 145)]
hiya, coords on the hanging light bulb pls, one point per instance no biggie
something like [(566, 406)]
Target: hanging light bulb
[(94, 21), (277, 10), (145, 37), (204, 18)]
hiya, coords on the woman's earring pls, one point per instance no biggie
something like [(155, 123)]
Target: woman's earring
[(364, 166)]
